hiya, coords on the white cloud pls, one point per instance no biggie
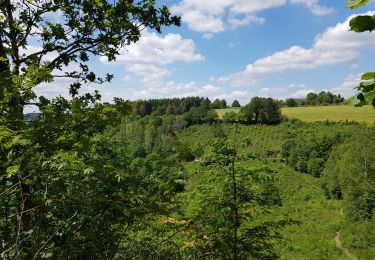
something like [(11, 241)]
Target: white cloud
[(155, 49), (346, 89), (337, 45), (149, 72), (176, 89), (148, 57), (314, 7), (271, 92), (301, 93), (214, 15), (235, 22), (297, 86), (207, 36)]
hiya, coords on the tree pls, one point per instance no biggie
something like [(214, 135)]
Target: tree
[(362, 23), (350, 174), (218, 203), (261, 110), (216, 104), (86, 28), (311, 98), (212, 116), (230, 117), (223, 103), (290, 102), (235, 103), (71, 148)]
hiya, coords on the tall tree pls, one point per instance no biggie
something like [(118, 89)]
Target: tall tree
[(61, 177), (224, 202), (235, 103), (40, 38)]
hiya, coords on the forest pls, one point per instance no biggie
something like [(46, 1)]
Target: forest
[(166, 178)]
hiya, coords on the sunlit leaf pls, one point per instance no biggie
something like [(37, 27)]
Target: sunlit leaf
[(352, 4)]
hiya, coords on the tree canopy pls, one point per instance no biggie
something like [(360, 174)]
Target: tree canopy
[(261, 111), (39, 39), (359, 24)]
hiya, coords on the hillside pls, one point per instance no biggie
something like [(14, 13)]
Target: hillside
[(318, 219)]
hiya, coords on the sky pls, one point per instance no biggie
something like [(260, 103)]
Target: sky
[(238, 49)]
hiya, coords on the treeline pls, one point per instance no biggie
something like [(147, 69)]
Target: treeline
[(172, 106), (177, 106), (312, 99), (198, 110)]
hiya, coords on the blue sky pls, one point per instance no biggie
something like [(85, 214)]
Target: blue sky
[(237, 49)]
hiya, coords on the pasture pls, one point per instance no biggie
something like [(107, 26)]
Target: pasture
[(322, 113)]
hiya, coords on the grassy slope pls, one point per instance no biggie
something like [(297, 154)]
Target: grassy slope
[(322, 113), (302, 194)]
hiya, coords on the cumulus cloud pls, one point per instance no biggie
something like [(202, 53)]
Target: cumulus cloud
[(346, 89), (149, 56), (177, 89), (314, 7), (272, 92), (302, 93), (337, 45), (215, 15)]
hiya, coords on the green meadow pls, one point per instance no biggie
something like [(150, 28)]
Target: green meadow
[(322, 113)]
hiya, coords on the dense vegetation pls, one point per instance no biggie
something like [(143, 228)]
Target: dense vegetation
[(323, 98), (163, 179)]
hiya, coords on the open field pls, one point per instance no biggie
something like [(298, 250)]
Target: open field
[(322, 113)]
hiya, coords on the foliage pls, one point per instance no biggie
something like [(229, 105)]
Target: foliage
[(224, 203), (290, 102), (350, 174), (230, 117), (86, 28), (359, 24), (308, 154), (261, 111), (172, 106), (217, 104), (235, 103), (66, 179), (323, 98)]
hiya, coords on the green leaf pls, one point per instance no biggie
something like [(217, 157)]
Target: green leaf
[(89, 170), (353, 4), (12, 170), (368, 76), (366, 87), (362, 23), (361, 97)]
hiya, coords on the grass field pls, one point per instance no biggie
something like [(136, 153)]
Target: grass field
[(322, 113)]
